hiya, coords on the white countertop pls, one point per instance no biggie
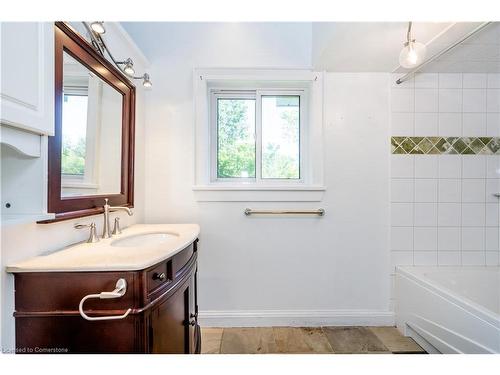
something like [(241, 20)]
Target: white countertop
[(101, 256)]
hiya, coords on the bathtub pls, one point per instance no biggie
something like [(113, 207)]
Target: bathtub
[(449, 309)]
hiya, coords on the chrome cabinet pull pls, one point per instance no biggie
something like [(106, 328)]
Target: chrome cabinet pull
[(120, 290), (159, 276)]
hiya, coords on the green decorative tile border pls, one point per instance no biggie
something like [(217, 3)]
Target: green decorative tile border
[(446, 145)]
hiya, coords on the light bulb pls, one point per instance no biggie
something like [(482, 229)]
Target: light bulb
[(129, 67), (412, 54), (146, 81), (98, 27)]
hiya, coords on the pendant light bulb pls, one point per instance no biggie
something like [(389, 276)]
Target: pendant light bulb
[(412, 55), (413, 52)]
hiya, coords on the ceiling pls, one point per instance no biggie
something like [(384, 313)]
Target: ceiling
[(353, 46)]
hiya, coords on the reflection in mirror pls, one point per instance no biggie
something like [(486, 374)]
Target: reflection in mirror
[(91, 133)]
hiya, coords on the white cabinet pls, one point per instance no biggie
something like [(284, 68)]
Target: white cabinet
[(27, 76), (26, 118)]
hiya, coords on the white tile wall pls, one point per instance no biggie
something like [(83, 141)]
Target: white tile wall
[(443, 210), (448, 104), (445, 214)]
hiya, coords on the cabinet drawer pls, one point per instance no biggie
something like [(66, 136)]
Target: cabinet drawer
[(159, 275), (181, 259)]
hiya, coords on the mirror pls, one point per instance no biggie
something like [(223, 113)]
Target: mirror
[(91, 133), (91, 154)]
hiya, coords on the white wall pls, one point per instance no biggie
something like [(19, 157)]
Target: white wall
[(22, 241), (333, 269)]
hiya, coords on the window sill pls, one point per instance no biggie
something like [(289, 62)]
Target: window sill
[(253, 193), (79, 185)]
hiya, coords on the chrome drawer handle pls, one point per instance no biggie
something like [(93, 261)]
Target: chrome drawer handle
[(120, 290), (159, 276)]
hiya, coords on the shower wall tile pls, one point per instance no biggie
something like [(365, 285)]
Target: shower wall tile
[(451, 80), (449, 214), (474, 124), (402, 166), (403, 123), (426, 166), (470, 258), (449, 258), (450, 100), (450, 166), (449, 239), (402, 100), (474, 167), (427, 80), (493, 100), (493, 167), (402, 239), (473, 239), (450, 190), (491, 216), (426, 239), (475, 80), (426, 214), (474, 100), (449, 124), (492, 258), (493, 124), (494, 81), (491, 239), (426, 124), (402, 190), (445, 168), (426, 100), (425, 258), (473, 190)]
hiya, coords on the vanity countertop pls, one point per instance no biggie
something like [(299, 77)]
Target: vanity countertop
[(102, 256)]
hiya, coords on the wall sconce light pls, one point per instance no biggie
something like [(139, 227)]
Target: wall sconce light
[(129, 67), (95, 30), (98, 27)]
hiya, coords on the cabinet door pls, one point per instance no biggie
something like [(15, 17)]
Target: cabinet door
[(27, 70), (173, 327), (194, 328)]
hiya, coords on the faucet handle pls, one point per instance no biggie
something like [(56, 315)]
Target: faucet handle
[(116, 228), (93, 233)]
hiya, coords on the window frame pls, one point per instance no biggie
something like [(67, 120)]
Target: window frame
[(257, 93)]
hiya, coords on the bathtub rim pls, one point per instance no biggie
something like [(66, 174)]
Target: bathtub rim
[(450, 295)]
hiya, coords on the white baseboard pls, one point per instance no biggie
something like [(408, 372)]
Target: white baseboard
[(295, 318)]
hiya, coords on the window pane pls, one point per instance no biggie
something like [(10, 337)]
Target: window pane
[(281, 137), (235, 138), (74, 134)]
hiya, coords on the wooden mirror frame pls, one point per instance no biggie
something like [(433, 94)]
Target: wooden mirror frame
[(68, 40)]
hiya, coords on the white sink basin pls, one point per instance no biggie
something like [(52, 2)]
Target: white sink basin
[(144, 239)]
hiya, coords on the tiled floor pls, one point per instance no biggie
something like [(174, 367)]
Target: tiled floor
[(340, 340)]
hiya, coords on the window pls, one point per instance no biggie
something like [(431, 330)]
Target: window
[(256, 135), (74, 136)]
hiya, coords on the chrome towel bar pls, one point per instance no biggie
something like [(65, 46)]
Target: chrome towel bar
[(319, 212), (120, 290)]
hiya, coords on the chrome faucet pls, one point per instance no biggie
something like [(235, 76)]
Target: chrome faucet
[(107, 209)]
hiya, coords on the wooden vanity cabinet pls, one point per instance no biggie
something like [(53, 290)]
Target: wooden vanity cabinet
[(162, 298)]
